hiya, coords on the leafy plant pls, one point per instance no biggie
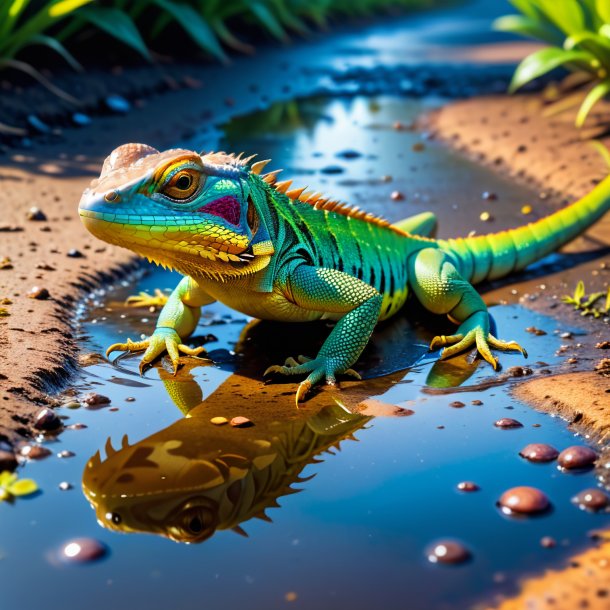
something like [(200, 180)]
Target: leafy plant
[(579, 32), (11, 486), (585, 303)]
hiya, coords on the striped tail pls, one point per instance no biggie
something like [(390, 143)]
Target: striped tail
[(492, 256)]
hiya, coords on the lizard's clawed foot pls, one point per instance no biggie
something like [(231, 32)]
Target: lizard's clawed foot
[(163, 339), (143, 299), (479, 337), (317, 369)]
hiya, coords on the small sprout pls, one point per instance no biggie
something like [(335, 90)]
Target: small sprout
[(11, 486), (585, 303)]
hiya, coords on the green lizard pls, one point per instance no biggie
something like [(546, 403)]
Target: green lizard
[(272, 252)]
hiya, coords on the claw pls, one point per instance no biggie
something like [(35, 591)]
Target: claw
[(274, 368), (352, 373), (442, 340), (302, 391)]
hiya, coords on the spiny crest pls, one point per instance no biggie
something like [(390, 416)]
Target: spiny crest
[(317, 200)]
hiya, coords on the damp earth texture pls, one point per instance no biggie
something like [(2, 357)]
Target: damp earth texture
[(192, 479)]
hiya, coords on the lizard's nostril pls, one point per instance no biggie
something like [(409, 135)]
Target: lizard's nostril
[(112, 197)]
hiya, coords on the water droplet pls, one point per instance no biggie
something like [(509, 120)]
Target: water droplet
[(83, 550), (591, 499), (577, 457)]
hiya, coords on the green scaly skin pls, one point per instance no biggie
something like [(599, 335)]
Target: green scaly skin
[(244, 239)]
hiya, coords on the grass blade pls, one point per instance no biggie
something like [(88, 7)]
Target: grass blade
[(595, 95), (59, 48), (118, 24), (544, 61), (519, 24)]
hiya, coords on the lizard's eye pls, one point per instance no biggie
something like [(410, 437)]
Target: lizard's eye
[(182, 185)]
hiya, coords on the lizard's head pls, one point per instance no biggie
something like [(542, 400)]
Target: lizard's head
[(196, 213)]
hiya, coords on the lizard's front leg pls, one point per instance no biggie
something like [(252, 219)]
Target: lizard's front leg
[(177, 321), (442, 290), (335, 292)]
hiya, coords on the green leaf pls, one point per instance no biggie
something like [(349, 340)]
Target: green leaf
[(603, 10), (526, 7), (118, 24), (194, 25), (544, 61), (595, 95), (526, 26), (23, 487), (266, 17), (63, 7), (57, 47), (566, 14), (7, 478)]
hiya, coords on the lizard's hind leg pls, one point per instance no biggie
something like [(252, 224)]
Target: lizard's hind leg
[(442, 290)]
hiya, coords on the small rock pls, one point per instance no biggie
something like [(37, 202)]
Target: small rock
[(447, 551), (468, 486), (83, 550), (523, 500), (539, 452), (349, 154), (332, 169), (6, 263), (591, 499), (65, 486), (507, 423), (603, 345), (8, 461), (77, 426), (577, 457), (456, 404), (547, 542), (92, 399), (241, 422), (38, 293), (565, 335), (130, 399), (47, 419), (526, 210), (489, 196), (36, 214), (72, 404), (519, 371), (220, 421), (397, 196), (117, 103), (65, 453), (80, 119), (477, 403), (535, 331), (74, 253), (485, 216), (34, 452), (418, 147)]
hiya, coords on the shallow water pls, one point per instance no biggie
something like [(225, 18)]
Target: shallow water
[(357, 533)]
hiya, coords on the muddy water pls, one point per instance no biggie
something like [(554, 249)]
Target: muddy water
[(359, 532)]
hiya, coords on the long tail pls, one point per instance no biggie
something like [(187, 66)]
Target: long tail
[(488, 257)]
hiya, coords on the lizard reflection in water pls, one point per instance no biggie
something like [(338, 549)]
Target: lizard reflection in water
[(194, 477)]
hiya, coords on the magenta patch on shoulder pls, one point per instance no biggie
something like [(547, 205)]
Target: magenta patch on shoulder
[(227, 208)]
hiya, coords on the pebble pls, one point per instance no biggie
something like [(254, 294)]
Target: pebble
[(38, 293), (485, 216), (349, 154), (93, 399), (65, 486), (36, 214), (332, 169), (523, 500), (80, 119), (34, 452), (506, 423), (468, 486), (83, 550), (447, 551), (117, 103), (72, 404), (418, 147), (47, 419), (130, 399), (489, 196), (65, 453), (476, 403), (526, 210), (397, 196), (456, 404), (8, 461), (77, 426), (548, 542), (591, 499), (74, 253), (539, 452), (535, 331), (519, 371), (241, 422), (219, 421), (577, 456)]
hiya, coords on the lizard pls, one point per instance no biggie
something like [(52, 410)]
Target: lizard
[(270, 251)]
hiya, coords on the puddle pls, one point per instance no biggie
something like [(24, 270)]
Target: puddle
[(356, 535)]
